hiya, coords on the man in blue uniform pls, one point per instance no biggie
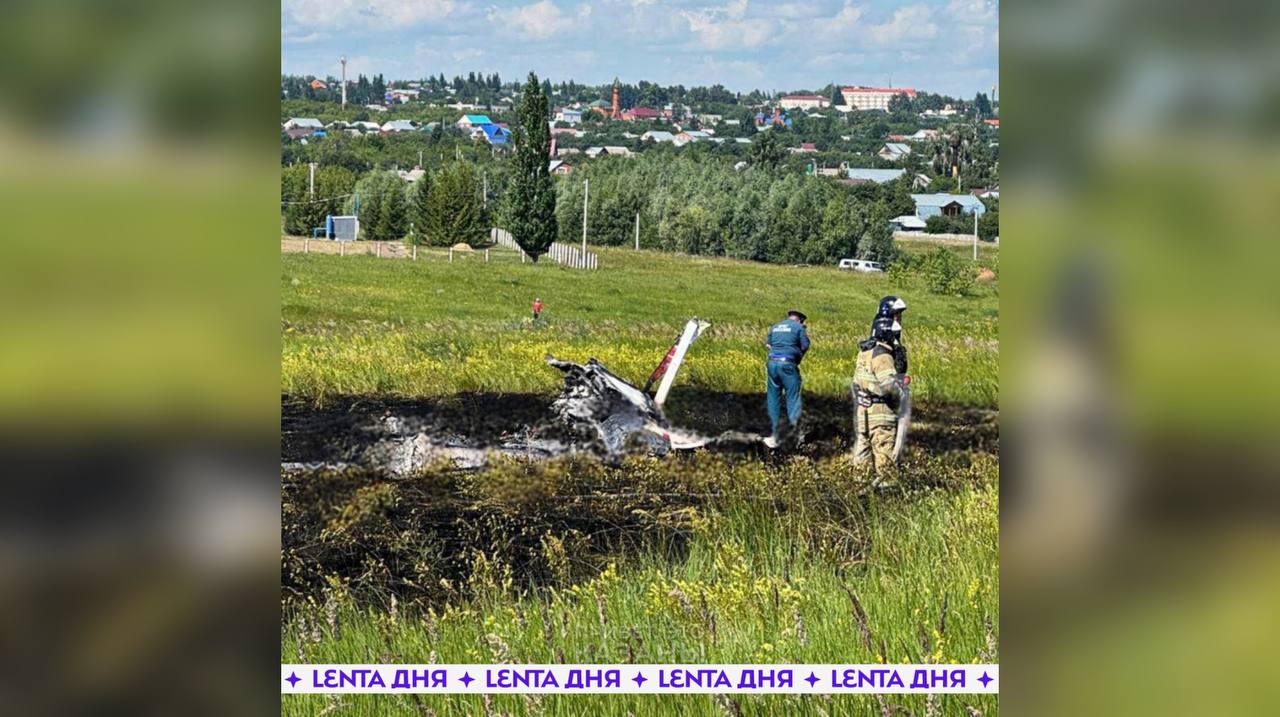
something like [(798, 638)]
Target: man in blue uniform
[(787, 344)]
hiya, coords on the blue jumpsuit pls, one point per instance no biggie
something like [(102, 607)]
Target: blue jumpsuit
[(788, 342)]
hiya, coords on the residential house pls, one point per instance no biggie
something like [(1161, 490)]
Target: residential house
[(710, 119), (692, 135), (658, 136), (730, 122), (566, 151), (617, 151), (569, 115), (828, 171), (778, 118), (804, 102), (400, 125), (366, 126), (473, 121), (894, 151), (301, 127), (921, 182), (640, 113), (808, 147), (873, 98), (558, 166), (947, 205), (897, 138), (946, 111), (303, 123), (412, 175), (429, 127), (907, 223), (491, 133), (742, 140), (319, 85), (375, 108), (864, 175), (993, 122), (567, 131), (924, 135), (403, 96)]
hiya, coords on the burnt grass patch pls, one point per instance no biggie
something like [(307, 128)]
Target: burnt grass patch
[(342, 427), (421, 536)]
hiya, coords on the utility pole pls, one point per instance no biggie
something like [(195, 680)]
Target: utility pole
[(585, 188), (312, 180), (485, 175), (344, 81), (637, 231)]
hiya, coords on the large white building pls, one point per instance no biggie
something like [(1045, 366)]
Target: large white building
[(803, 102), (873, 98)]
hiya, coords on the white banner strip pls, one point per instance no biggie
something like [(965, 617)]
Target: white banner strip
[(638, 679)]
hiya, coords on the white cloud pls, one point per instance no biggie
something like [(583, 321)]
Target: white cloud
[(541, 20), (728, 27), (845, 20), (359, 14), (908, 25)]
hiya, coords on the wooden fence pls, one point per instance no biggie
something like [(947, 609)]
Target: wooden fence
[(563, 254)]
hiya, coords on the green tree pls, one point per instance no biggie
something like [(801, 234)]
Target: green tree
[(767, 153), (982, 105), (305, 212), (946, 273), (532, 198), (876, 243), (379, 202), (454, 211)]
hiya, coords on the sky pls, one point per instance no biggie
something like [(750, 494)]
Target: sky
[(945, 46)]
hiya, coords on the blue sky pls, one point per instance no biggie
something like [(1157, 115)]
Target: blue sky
[(947, 46)]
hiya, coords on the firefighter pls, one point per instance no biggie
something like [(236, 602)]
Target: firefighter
[(787, 344), (891, 307), (877, 387)]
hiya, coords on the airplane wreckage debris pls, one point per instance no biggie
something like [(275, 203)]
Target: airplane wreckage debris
[(596, 413)]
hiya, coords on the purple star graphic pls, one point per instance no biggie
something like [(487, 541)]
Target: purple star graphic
[(466, 679), (812, 679), (639, 679), (293, 679), (985, 679)]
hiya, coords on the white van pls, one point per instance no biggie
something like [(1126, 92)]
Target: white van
[(860, 265)]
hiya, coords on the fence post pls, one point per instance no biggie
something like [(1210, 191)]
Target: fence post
[(486, 256), (450, 255), (306, 245), (342, 248), (377, 249), (415, 252)]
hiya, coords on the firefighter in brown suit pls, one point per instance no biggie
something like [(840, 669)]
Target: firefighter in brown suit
[(877, 387)]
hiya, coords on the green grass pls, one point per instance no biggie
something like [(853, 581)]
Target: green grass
[(761, 574), (368, 326)]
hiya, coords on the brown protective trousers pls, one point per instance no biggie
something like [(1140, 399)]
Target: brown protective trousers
[(874, 445)]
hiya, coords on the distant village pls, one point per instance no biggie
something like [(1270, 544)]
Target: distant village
[(847, 135)]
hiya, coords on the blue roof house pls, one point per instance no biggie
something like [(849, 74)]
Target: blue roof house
[(495, 134), (947, 205)]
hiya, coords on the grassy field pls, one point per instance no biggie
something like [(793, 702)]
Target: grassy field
[(367, 326), (701, 558)]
